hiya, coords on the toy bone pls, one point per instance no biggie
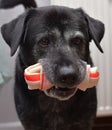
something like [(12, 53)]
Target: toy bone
[(36, 79), (91, 78)]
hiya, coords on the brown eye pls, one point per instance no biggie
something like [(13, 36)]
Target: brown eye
[(44, 42), (76, 41)]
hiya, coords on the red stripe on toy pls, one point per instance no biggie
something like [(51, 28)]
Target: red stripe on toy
[(94, 75), (42, 82), (35, 77)]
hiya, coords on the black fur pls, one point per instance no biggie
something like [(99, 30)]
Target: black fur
[(5, 4), (58, 37)]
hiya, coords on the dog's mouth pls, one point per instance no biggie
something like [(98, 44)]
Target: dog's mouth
[(61, 93)]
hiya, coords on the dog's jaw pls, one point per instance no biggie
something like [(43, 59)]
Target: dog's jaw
[(61, 93), (65, 92)]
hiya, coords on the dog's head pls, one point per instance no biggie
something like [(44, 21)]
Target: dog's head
[(57, 37)]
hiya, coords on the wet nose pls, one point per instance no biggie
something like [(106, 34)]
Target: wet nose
[(67, 76)]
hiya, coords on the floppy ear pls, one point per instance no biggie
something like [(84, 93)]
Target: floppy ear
[(96, 30), (12, 32)]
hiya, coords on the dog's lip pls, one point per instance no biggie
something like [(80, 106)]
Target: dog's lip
[(60, 93)]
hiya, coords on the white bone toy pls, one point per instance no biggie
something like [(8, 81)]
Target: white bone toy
[(91, 78), (36, 79)]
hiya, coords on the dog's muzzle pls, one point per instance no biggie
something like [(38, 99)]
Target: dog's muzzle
[(36, 79)]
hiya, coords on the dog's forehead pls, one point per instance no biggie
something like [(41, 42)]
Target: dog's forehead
[(58, 19), (63, 17)]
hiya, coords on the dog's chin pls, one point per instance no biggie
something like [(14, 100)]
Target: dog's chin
[(61, 93)]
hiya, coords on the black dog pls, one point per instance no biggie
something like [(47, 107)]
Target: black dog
[(57, 37)]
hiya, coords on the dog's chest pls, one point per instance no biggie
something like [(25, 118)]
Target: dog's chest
[(56, 114)]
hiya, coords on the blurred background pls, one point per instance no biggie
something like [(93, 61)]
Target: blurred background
[(99, 9)]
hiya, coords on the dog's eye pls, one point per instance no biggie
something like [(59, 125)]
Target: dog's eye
[(76, 41), (44, 42)]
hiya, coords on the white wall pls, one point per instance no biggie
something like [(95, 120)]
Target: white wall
[(43, 2)]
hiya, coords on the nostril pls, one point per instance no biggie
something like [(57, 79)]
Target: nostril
[(69, 79), (67, 75)]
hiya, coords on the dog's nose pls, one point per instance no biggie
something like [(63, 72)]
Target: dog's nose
[(67, 76)]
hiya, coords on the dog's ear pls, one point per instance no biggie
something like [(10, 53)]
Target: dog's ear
[(96, 30), (12, 32)]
